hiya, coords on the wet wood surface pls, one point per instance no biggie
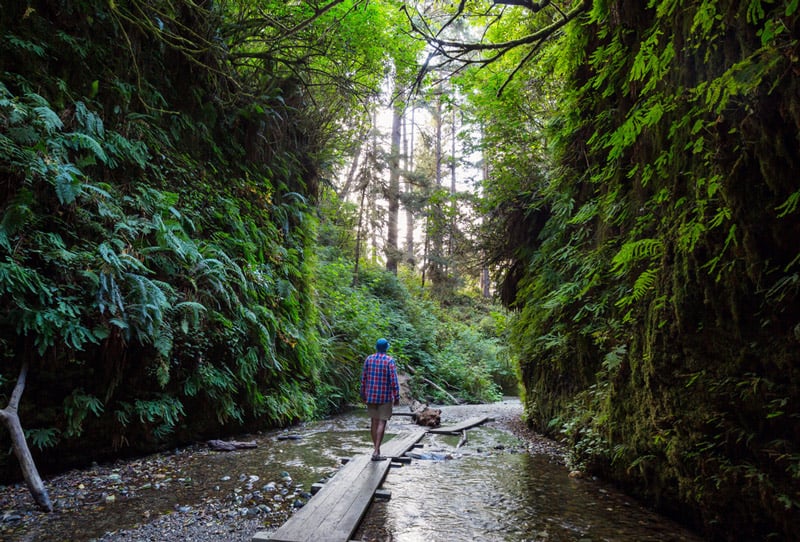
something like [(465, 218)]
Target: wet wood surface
[(460, 426), (333, 514)]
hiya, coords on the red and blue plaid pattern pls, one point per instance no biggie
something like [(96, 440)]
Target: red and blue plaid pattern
[(379, 379)]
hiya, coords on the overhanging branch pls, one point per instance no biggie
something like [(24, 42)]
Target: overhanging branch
[(456, 54)]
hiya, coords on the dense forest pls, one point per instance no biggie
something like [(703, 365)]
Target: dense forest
[(204, 203)]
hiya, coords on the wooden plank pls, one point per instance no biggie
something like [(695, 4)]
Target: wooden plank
[(401, 443), (460, 426), (346, 507), (335, 511)]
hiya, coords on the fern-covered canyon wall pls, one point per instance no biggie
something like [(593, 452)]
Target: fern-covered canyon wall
[(659, 327), (155, 233)]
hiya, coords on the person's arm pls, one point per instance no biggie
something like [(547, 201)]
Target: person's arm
[(361, 390), (395, 383)]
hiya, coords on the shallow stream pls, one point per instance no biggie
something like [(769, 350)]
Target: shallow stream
[(492, 488)]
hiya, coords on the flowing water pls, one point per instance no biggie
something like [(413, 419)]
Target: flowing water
[(486, 494), (490, 489)]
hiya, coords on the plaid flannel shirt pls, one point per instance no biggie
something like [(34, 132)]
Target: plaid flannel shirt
[(379, 379)]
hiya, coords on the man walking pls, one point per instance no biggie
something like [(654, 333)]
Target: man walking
[(380, 389)]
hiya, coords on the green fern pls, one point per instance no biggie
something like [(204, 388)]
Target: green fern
[(43, 437), (789, 206), (68, 184), (634, 251), (78, 141), (24, 45), (77, 406)]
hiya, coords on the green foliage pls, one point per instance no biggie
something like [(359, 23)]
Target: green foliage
[(652, 249), (42, 437), (153, 263), (76, 407), (434, 343)]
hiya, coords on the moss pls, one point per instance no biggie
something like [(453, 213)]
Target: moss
[(704, 400)]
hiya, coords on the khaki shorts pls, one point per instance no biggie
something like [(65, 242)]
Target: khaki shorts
[(381, 411)]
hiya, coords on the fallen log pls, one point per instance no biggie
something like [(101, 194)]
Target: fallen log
[(454, 399), (229, 446)]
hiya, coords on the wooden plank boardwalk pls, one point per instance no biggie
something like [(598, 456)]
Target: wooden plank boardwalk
[(460, 426), (333, 514)]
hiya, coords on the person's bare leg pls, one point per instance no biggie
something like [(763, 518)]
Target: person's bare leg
[(373, 431), (380, 429)]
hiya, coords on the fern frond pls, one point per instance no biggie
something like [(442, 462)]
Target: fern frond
[(51, 122), (634, 251), (88, 121), (24, 45), (644, 283), (82, 142), (68, 184), (790, 205)]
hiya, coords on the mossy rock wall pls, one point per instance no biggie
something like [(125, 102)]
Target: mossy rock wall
[(673, 368), (155, 234)]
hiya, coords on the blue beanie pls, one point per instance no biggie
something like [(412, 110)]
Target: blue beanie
[(382, 345)]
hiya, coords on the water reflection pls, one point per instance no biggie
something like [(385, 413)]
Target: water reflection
[(486, 494)]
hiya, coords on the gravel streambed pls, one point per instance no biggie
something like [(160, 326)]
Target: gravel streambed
[(169, 502)]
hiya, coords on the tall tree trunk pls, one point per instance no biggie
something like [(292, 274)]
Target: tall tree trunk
[(452, 222), (359, 234), (485, 284), (351, 175), (393, 195), (10, 418), (374, 218), (435, 220), (409, 154)]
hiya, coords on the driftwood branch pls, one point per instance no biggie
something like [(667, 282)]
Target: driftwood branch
[(9, 416), (463, 440)]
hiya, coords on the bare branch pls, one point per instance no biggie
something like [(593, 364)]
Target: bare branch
[(16, 395), (529, 4), (455, 16), (457, 54)]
